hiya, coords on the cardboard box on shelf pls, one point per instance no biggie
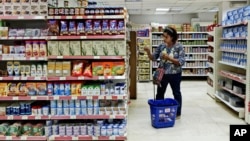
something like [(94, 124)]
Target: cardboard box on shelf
[(98, 48), (34, 9), (120, 47), (25, 2), (53, 47), (51, 68), (43, 10), (86, 48), (108, 48), (8, 10), (66, 68), (59, 68), (118, 68), (75, 48), (17, 9), (97, 68), (63, 49), (26, 10), (1, 10)]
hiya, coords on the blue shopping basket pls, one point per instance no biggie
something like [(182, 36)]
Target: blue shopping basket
[(163, 112)]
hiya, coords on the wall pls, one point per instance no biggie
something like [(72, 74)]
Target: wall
[(162, 19), (206, 16)]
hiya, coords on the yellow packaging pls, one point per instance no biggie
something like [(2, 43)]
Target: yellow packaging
[(22, 88), (12, 89), (59, 68), (51, 68), (53, 48), (86, 48), (107, 67), (118, 68), (3, 89), (66, 68), (75, 48)]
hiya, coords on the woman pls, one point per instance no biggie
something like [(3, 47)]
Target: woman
[(172, 57)]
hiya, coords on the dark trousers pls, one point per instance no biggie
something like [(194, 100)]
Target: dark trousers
[(175, 81)]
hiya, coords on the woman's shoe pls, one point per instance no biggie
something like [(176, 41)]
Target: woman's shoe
[(178, 117)]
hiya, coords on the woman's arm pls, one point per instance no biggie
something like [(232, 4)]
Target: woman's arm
[(153, 56)]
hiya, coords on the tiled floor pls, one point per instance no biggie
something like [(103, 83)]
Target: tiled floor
[(203, 119)]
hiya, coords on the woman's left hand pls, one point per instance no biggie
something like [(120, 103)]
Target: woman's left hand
[(165, 56)]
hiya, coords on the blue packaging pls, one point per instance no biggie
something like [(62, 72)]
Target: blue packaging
[(59, 111), (71, 103), (28, 109), (61, 89), (72, 111), (83, 111), (53, 111), (66, 104), (77, 103), (83, 103), (66, 111), (22, 109), (9, 110), (56, 89), (50, 88), (59, 103), (89, 103), (67, 89), (78, 111), (53, 104)]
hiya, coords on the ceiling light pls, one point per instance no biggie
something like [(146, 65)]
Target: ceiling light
[(161, 12), (162, 9)]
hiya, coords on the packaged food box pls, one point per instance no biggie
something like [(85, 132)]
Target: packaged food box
[(97, 68), (17, 9), (22, 88), (120, 47), (63, 49), (12, 89), (8, 10), (118, 68), (107, 68), (3, 89), (75, 48), (66, 68), (43, 9), (58, 69), (98, 48), (86, 48), (51, 68), (25, 2), (1, 12), (108, 48), (25, 10), (34, 9), (53, 48)]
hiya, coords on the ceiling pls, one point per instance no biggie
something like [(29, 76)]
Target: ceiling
[(136, 7)]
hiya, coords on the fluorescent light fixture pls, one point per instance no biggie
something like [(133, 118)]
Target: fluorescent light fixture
[(162, 9), (161, 12)]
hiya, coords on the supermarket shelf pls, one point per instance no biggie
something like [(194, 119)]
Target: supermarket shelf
[(196, 53), (212, 44), (233, 77), (86, 37), (235, 38), (157, 39), (232, 92), (24, 117), (193, 75), (192, 32), (23, 38), (24, 138), (233, 65), (239, 110), (210, 90), (56, 97), (88, 17), (212, 33), (22, 17), (241, 23), (69, 138), (210, 75), (195, 67), (86, 57), (58, 117), (195, 45), (234, 51), (210, 64), (193, 39), (85, 78), (211, 54), (14, 58), (196, 59), (17, 78)]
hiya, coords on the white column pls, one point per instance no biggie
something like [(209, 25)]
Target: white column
[(223, 8)]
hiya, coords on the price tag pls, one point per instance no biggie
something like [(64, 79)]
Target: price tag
[(59, 57), (90, 97), (24, 78), (101, 77), (90, 17), (111, 116), (38, 117), (69, 17), (94, 138), (74, 97), (96, 57), (75, 138), (37, 78), (8, 137), (83, 37), (81, 78), (10, 117), (24, 117), (56, 97), (112, 138), (19, 37), (26, 37), (79, 17), (24, 138), (53, 37), (20, 17), (32, 58), (33, 98), (15, 98), (62, 78), (73, 117), (16, 78), (1, 78)]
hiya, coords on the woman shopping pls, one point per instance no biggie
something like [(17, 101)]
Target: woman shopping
[(172, 58)]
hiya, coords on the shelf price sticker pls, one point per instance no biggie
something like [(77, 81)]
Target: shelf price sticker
[(59, 57), (56, 97), (1, 78), (96, 57), (94, 138), (15, 98), (112, 138), (74, 97), (101, 77), (75, 138), (73, 117), (16, 78), (69, 17), (8, 137), (24, 117), (37, 78), (24, 78), (83, 37), (62, 78), (23, 138), (20, 17), (33, 98)]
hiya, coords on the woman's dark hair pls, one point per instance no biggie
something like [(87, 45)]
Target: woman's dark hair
[(171, 32)]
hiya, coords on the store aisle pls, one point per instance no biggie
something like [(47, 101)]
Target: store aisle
[(202, 119)]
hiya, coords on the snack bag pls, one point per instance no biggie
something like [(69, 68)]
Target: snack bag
[(64, 28), (97, 29), (87, 71), (72, 28), (77, 68)]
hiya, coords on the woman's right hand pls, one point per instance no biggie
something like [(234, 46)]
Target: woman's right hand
[(147, 49)]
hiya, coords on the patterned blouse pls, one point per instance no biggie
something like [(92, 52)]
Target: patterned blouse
[(177, 52)]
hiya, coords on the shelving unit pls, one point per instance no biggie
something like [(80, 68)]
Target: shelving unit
[(116, 113), (213, 64), (195, 45), (232, 75)]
